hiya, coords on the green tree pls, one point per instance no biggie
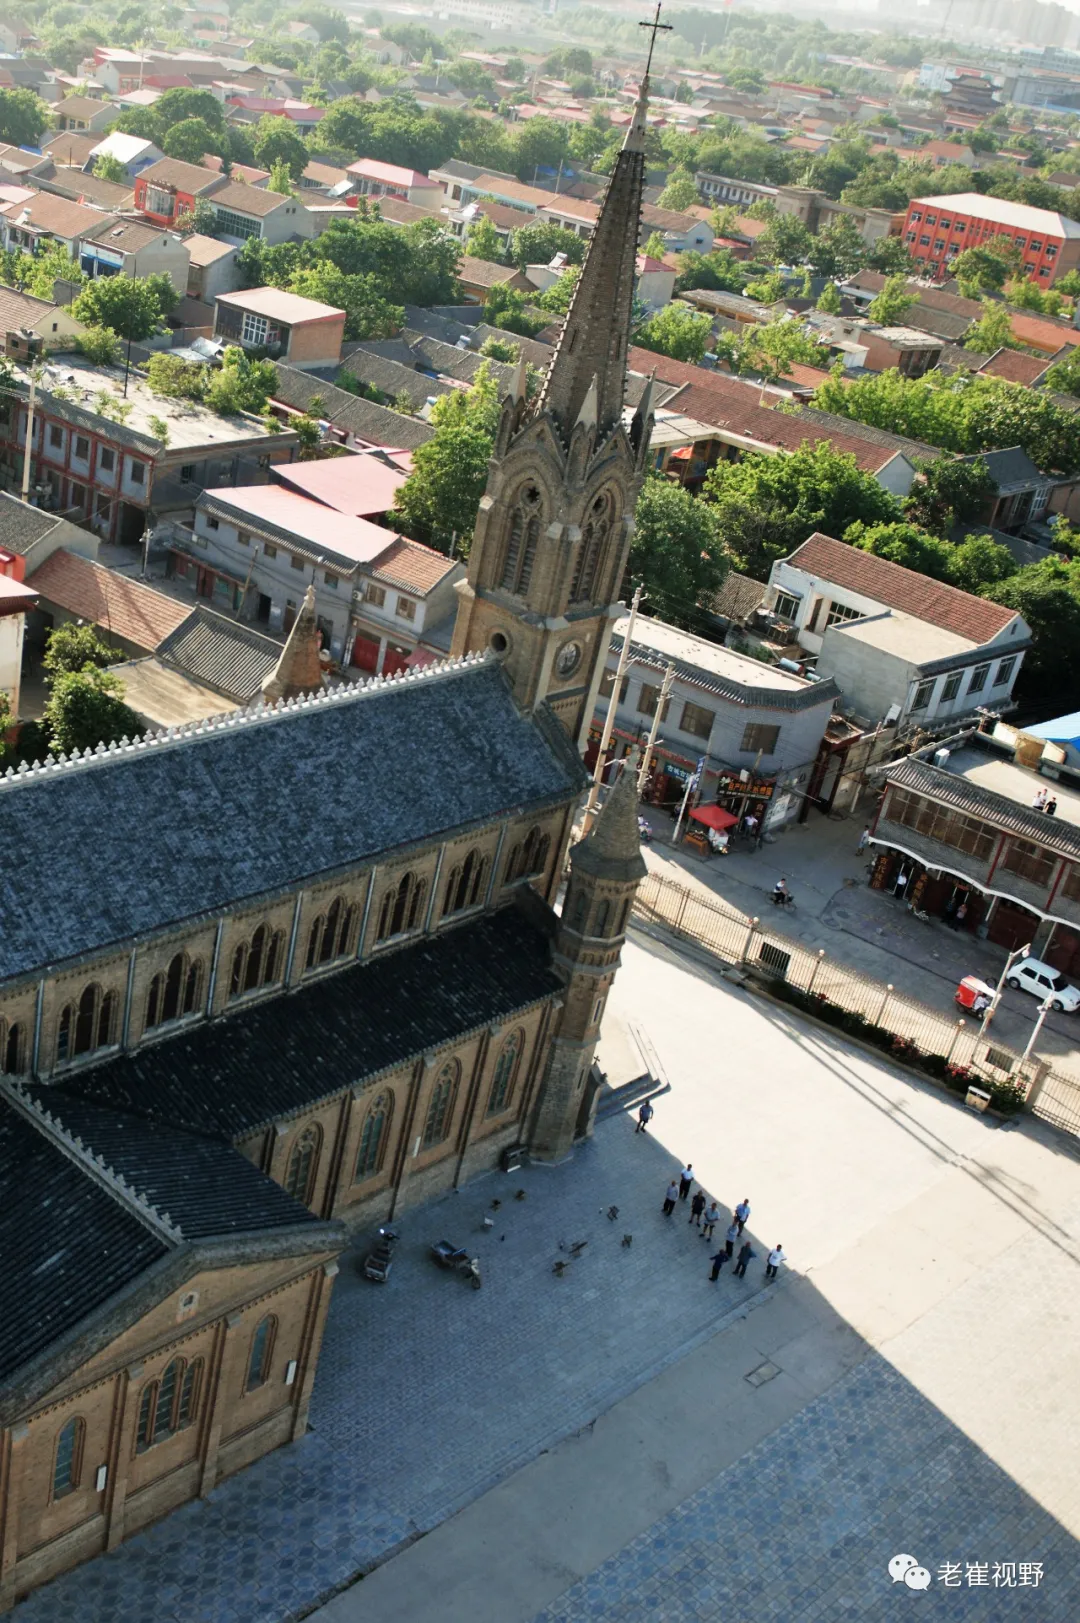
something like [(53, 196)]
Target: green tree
[(979, 271), (893, 302), (677, 552), (74, 646), (949, 492), (1064, 375), (680, 193), (130, 306), (786, 241), (441, 497), (509, 309), (655, 245), (771, 350), (979, 564), (498, 349), (839, 250), (993, 332), (556, 298), (905, 544), (769, 290), (173, 378), (484, 242), (539, 144), (768, 505), (718, 270), (367, 313), (1047, 595), (678, 332), (890, 257), (241, 385), (538, 244), (106, 167), (86, 708), (281, 180), (181, 103), (276, 141), (99, 346), (1069, 284), (23, 118), (829, 299), (190, 140)]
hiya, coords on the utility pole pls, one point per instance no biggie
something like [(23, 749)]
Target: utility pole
[(609, 719), (669, 677), (29, 438)]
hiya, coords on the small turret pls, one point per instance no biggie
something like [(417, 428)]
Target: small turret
[(299, 669)]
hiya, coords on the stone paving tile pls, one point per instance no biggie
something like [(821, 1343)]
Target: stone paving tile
[(803, 1527), (396, 1444)]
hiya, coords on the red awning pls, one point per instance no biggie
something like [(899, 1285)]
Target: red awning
[(714, 817)]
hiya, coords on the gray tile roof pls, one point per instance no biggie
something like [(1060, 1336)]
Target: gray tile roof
[(279, 1057), (139, 839), (1010, 468), (873, 436), (393, 378), (950, 789), (376, 424), (67, 1243), (231, 659), (21, 526)]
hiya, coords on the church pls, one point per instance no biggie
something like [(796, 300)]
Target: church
[(276, 976)]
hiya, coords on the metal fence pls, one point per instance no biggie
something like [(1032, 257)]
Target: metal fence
[(735, 939)]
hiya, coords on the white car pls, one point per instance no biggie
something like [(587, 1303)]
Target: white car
[(1032, 975)]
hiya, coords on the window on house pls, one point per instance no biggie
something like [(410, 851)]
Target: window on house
[(1029, 861), (330, 580), (56, 436), (213, 524), (302, 1165), (375, 595), (466, 885), (931, 219), (502, 1083), (258, 962), (648, 699), (67, 1463), (944, 224), (295, 562), (253, 328), (939, 245), (269, 551), (952, 687), (529, 857), (373, 1137), (261, 1354), (838, 614), (87, 1025), (406, 608), (174, 992), (696, 719), (924, 242), (607, 686), (440, 1110), (82, 448), (1005, 671), (916, 216), (757, 737), (978, 678), (522, 539), (402, 907), (106, 460), (923, 694), (787, 605), (170, 1403), (1071, 884), (333, 934), (1035, 246), (137, 473), (12, 1048), (243, 539), (965, 834)]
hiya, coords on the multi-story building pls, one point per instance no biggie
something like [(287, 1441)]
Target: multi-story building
[(938, 229), (756, 728), (371, 178), (129, 247), (168, 189), (247, 211), (299, 332)]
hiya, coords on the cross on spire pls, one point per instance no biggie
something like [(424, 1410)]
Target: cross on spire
[(655, 27)]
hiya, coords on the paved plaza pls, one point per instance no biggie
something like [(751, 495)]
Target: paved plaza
[(631, 1442)]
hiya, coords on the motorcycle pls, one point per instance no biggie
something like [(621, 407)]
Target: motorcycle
[(644, 831), (457, 1258), (379, 1259)]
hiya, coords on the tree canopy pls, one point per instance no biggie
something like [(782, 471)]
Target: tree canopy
[(441, 497), (677, 552), (130, 306), (676, 331)]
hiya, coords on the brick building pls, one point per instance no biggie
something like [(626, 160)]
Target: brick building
[(938, 229), (307, 972)]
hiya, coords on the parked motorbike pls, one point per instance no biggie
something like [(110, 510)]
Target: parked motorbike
[(379, 1259), (457, 1258), (645, 831)]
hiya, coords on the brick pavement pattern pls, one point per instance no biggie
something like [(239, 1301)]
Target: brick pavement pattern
[(398, 1442), (804, 1526)]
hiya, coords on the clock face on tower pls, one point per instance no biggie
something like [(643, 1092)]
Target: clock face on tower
[(567, 659)]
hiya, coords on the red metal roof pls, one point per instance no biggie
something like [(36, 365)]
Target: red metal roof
[(358, 485)]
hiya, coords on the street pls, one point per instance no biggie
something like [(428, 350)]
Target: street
[(864, 929)]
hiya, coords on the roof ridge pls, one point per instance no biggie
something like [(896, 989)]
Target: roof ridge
[(260, 714), (73, 1147)]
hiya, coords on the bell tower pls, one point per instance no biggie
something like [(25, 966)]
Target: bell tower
[(554, 527), (605, 869)]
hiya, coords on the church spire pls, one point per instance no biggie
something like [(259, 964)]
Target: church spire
[(596, 331)]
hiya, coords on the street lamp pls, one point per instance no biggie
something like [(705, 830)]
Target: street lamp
[(1044, 1010), (1021, 952)]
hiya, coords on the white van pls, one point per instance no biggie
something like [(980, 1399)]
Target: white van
[(1032, 975)]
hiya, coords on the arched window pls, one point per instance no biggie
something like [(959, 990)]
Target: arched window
[(87, 1025), (593, 545), (170, 1403), (502, 1085), (465, 886), (623, 911), (529, 857), (67, 1461), (521, 542), (600, 924), (332, 934), (401, 907), (174, 992), (12, 1048), (441, 1109), (303, 1164), (261, 1354), (258, 962), (580, 908), (373, 1137)]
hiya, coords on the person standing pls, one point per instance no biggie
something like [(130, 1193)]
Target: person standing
[(1039, 803), (776, 1256), (670, 1198), (1051, 806), (730, 1237), (697, 1206), (712, 1217), (746, 1254), (717, 1263), (864, 841), (686, 1178), (644, 1117), (742, 1213)]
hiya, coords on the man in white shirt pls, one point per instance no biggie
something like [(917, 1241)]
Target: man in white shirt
[(776, 1256)]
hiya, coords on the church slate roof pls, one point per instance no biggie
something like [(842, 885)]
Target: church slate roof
[(68, 1245), (283, 1055), (201, 1185), (142, 838)]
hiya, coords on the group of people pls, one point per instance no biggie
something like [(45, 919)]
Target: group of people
[(1045, 802), (705, 1215)]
